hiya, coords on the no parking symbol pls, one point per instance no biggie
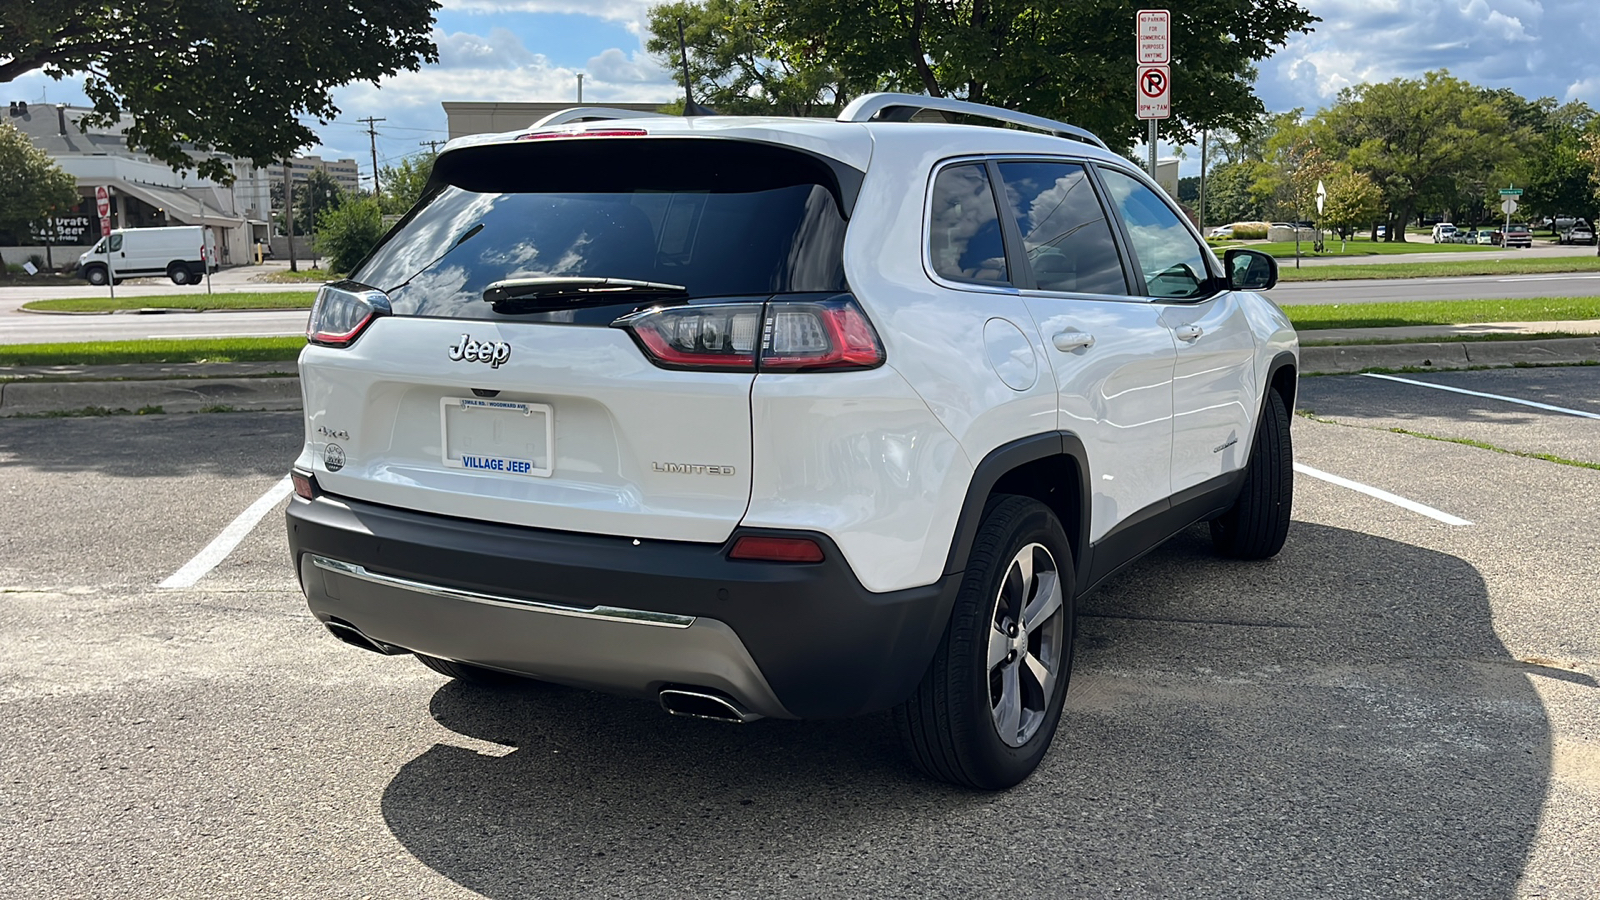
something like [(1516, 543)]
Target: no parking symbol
[(1155, 92)]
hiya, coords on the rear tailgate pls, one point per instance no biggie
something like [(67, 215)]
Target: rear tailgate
[(490, 384), (632, 450)]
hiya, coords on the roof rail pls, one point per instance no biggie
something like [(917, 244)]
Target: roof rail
[(581, 113), (901, 107)]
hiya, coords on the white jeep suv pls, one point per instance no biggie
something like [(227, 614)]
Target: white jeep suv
[(784, 417)]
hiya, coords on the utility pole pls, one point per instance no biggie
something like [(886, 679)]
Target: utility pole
[(1205, 134), (580, 87), (431, 145), (288, 213), (373, 134)]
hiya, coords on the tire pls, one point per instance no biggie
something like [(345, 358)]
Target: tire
[(95, 275), (1257, 523), (989, 704), (470, 673), (178, 274)]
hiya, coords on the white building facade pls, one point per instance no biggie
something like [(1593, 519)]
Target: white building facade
[(145, 192)]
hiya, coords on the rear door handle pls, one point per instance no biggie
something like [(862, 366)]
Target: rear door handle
[(1067, 341), (1190, 332)]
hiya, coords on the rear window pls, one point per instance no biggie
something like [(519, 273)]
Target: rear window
[(728, 221)]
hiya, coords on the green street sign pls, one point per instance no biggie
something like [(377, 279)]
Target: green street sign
[(1511, 192)]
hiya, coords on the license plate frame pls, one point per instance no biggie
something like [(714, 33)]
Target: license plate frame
[(488, 442)]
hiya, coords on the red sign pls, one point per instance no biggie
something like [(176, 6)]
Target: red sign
[(105, 226), (1154, 32), (102, 201), (1155, 92)]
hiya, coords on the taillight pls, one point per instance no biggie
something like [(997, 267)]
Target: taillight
[(305, 484), (781, 335), (342, 311)]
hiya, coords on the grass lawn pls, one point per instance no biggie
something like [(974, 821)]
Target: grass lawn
[(304, 276), (1361, 247), (259, 300), (1499, 266), (1442, 312), (102, 353)]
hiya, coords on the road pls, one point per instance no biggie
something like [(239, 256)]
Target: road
[(1392, 290), (1393, 707)]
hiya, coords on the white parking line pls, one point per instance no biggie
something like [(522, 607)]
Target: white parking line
[(223, 544), (1456, 390), (1548, 278), (1385, 496)]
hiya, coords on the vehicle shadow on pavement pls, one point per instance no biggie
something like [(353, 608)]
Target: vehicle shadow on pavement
[(129, 446), (1339, 721)]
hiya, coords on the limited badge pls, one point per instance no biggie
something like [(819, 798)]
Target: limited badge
[(333, 457)]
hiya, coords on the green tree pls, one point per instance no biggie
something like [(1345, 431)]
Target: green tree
[(1557, 178), (1418, 140), (1353, 201), (349, 233), (314, 199), (32, 186), (1048, 57), (230, 77), (403, 184), (1228, 194)]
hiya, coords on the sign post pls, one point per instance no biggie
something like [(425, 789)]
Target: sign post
[(102, 203), (1153, 86), (1509, 205)]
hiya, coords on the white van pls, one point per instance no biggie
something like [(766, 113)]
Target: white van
[(181, 253)]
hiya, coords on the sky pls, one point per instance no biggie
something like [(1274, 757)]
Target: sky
[(532, 50)]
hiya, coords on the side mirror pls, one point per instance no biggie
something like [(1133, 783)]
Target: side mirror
[(1250, 270)]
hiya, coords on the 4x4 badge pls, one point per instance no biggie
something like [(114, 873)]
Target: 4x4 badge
[(492, 352)]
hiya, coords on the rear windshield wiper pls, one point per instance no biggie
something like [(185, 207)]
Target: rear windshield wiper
[(555, 292)]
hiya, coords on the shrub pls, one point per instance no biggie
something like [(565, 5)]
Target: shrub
[(347, 234), (1254, 231)]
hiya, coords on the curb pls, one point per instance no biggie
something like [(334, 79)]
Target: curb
[(1340, 359)]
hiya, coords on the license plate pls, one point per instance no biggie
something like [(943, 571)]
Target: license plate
[(496, 436)]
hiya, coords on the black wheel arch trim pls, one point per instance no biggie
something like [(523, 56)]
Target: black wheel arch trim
[(1005, 459)]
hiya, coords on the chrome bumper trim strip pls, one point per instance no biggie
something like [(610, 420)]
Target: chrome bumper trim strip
[(603, 613)]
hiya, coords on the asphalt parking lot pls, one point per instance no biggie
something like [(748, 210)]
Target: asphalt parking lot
[(1399, 705)]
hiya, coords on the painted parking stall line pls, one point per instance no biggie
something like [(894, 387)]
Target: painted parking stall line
[(223, 544), (1383, 495), (1517, 400)]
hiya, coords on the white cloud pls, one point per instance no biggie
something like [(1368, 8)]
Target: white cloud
[(1537, 48), (618, 68), (633, 14), (500, 50)]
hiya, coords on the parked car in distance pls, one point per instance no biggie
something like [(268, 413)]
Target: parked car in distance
[(1485, 237), (1223, 231), (181, 252), (1383, 232), (1580, 233), (1516, 235), (1560, 224), (1444, 233)]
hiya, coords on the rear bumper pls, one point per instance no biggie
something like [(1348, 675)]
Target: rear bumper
[(785, 640)]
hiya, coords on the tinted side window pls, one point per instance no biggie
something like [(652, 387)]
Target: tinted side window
[(1173, 264), (116, 242), (964, 236), (1064, 230)]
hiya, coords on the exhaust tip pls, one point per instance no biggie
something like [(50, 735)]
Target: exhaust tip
[(703, 704), (353, 636)]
